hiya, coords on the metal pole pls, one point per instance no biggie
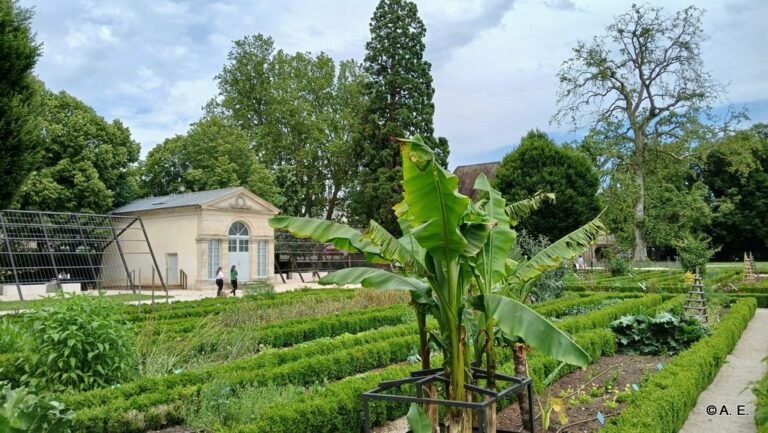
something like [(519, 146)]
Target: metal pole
[(530, 407), (87, 252), (120, 250), (10, 255), (153, 289), (139, 303), (49, 247), (154, 260), (366, 420)]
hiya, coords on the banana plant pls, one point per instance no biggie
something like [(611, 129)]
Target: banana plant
[(449, 245)]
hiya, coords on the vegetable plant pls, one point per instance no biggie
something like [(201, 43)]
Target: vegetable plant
[(453, 257)]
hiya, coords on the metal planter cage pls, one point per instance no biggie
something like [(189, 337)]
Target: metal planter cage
[(56, 249)]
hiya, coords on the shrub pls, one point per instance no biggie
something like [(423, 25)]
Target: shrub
[(761, 407), (23, 411), (260, 289), (619, 266), (694, 254), (12, 337), (80, 343), (663, 334)]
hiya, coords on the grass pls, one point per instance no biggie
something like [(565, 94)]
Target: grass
[(50, 300)]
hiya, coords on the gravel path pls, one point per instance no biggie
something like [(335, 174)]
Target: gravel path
[(730, 393)]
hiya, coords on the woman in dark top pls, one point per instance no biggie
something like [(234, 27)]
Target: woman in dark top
[(233, 279)]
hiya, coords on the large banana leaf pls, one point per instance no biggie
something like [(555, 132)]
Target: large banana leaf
[(516, 319), (522, 208), (552, 257), (394, 250), (376, 279), (341, 236), (433, 200), (492, 258)]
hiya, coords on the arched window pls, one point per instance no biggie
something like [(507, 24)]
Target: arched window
[(238, 229)]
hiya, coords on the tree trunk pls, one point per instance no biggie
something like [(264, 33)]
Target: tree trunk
[(459, 420), (521, 370), (430, 390), (641, 251)]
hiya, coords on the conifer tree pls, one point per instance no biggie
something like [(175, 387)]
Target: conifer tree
[(399, 104)]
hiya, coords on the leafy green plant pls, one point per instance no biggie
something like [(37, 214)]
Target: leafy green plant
[(760, 390), (694, 254), (663, 334), (260, 289), (80, 343), (12, 337), (618, 266), (449, 245), (22, 411)]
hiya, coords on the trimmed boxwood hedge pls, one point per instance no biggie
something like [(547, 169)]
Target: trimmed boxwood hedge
[(666, 398), (338, 407), (601, 318), (558, 307)]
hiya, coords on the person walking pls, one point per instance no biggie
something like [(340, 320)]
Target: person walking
[(219, 281), (233, 279)]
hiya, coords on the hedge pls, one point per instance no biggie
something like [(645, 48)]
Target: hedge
[(761, 406), (666, 398), (674, 303), (338, 407), (559, 307), (603, 317), (114, 416), (762, 299)]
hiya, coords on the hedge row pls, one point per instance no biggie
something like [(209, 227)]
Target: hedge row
[(205, 308), (762, 299), (761, 406), (338, 407), (268, 359), (603, 317), (674, 303), (666, 398), (558, 308), (115, 416), (295, 331)]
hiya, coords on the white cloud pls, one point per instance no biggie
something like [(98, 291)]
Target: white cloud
[(152, 62)]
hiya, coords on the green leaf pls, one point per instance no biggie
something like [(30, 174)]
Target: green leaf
[(552, 257), (374, 278), (418, 419), (516, 319), (392, 249), (522, 208), (433, 200), (341, 236)]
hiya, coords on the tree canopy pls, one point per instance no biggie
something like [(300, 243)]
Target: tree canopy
[(19, 97), (299, 113), (212, 155), (83, 163), (740, 199), (645, 79), (399, 96), (539, 165)]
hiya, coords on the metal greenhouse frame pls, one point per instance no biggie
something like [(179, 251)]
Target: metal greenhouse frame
[(56, 248)]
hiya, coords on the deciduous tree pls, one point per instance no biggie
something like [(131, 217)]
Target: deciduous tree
[(19, 101), (645, 75)]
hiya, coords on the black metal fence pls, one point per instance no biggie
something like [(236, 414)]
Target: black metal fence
[(300, 256), (56, 248)]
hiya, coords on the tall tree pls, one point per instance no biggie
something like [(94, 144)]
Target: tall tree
[(213, 154), (540, 165), (740, 199), (646, 75), (84, 163), (295, 109), (399, 103), (19, 102)]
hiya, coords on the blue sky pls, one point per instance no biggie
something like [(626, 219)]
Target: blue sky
[(151, 63)]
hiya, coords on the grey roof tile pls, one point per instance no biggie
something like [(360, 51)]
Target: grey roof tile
[(197, 198)]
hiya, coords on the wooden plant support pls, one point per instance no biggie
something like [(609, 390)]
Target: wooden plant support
[(696, 304)]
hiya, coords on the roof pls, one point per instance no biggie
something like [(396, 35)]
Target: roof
[(194, 199), (469, 173)]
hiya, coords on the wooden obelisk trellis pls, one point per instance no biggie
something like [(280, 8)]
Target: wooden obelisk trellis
[(696, 304), (750, 269)]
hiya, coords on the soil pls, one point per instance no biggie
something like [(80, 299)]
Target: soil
[(610, 375)]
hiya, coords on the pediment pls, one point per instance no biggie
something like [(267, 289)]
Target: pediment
[(243, 200)]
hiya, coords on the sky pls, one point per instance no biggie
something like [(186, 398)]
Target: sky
[(152, 63)]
